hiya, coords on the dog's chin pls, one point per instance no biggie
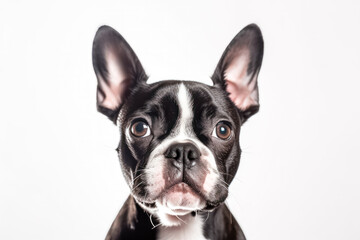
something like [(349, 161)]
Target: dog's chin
[(176, 204)]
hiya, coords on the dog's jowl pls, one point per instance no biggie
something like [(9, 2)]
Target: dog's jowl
[(179, 140)]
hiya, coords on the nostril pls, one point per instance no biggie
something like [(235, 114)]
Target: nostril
[(178, 154), (192, 155), (191, 158), (174, 153)]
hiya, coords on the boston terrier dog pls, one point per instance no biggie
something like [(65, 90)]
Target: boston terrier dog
[(179, 140)]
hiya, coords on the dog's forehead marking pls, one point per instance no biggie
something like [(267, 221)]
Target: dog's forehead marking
[(186, 113)]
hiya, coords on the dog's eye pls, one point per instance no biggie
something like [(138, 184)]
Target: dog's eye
[(222, 131), (140, 129)]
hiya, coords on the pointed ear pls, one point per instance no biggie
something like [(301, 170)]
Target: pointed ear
[(117, 68), (238, 69)]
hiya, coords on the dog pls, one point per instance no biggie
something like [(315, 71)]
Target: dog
[(179, 140)]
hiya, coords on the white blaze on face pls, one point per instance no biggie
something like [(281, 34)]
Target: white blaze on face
[(168, 205), (186, 113)]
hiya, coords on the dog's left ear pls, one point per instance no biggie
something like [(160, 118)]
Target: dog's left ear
[(238, 69), (117, 68)]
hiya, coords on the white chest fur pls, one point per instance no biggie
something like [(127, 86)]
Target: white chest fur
[(189, 230)]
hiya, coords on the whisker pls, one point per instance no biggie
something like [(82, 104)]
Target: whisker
[(233, 176), (220, 184), (157, 226), (226, 174), (180, 219), (144, 169), (224, 182), (207, 217), (138, 176), (151, 221), (137, 186)]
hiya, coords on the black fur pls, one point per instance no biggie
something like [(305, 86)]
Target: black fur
[(132, 223)]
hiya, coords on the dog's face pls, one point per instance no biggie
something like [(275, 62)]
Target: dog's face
[(179, 140)]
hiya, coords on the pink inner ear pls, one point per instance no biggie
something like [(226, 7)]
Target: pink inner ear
[(115, 88), (242, 87)]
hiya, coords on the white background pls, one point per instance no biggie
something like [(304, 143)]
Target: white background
[(299, 174)]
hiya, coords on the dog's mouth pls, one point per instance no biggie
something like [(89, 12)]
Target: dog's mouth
[(180, 199), (176, 204)]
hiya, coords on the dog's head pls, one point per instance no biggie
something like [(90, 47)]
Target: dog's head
[(179, 140)]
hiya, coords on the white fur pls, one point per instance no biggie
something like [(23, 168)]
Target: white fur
[(185, 104), (190, 229), (128, 135)]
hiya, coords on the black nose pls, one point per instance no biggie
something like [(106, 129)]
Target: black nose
[(186, 154)]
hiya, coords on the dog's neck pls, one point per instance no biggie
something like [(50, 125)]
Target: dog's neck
[(191, 228), (188, 226), (133, 222)]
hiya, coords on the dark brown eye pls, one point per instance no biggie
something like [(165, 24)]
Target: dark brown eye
[(140, 129), (222, 131)]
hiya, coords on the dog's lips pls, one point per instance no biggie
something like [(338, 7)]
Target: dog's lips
[(181, 199)]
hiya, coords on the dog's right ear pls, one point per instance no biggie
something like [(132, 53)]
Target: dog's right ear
[(117, 68)]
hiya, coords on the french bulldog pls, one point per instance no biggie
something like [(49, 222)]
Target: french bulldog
[(179, 140)]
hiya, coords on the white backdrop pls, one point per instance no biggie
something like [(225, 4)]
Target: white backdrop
[(299, 174)]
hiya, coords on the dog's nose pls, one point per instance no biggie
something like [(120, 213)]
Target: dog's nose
[(186, 154)]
